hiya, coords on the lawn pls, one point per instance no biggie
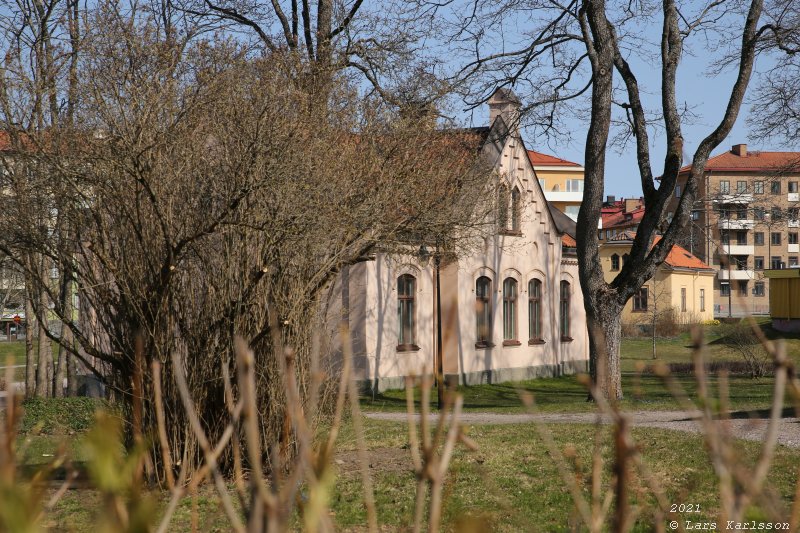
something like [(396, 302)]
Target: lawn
[(643, 390), (509, 484)]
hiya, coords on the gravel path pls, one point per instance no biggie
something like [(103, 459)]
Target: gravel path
[(744, 427)]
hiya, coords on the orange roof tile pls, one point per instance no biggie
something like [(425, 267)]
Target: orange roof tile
[(752, 161), (678, 257), (538, 158), (568, 241)]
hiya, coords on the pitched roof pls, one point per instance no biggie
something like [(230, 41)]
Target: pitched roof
[(617, 217), (752, 161), (568, 241), (538, 158), (564, 224), (678, 256)]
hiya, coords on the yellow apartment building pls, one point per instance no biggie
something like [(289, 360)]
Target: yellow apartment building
[(683, 283)]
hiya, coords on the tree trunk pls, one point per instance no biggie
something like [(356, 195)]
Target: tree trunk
[(30, 367), (604, 323), (66, 334), (43, 370)]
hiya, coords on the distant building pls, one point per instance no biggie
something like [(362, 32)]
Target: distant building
[(682, 283), (618, 216), (784, 299), (746, 219), (512, 310), (561, 182)]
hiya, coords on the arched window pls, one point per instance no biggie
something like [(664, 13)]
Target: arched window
[(406, 312), (502, 207), (535, 311), (615, 262), (483, 311), (516, 210), (510, 309), (564, 311)]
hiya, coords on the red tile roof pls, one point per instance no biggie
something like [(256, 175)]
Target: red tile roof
[(568, 241), (678, 257), (752, 161), (615, 218), (538, 158)]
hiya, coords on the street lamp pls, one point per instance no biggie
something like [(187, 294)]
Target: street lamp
[(438, 372)]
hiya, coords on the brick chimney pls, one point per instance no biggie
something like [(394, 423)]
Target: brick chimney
[(740, 150), (504, 103)]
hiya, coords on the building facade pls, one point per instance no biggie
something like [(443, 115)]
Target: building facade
[(746, 219), (561, 181), (683, 284), (511, 310)]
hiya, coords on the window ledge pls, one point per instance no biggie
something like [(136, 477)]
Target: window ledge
[(511, 232), (408, 348), (484, 344), (639, 311), (534, 342), (566, 339), (511, 343)]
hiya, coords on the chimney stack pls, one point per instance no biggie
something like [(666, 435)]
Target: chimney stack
[(504, 103), (740, 150), (611, 199)]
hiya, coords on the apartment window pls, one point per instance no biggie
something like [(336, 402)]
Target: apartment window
[(683, 299), (724, 186), (741, 187), (510, 309), (599, 235), (792, 186), (677, 191), (759, 213), (608, 234), (741, 237), (574, 185), (758, 262), (695, 215), (702, 300), (535, 311), (741, 213), (740, 261), (483, 311), (543, 184), (758, 288), (406, 312), (775, 187), (793, 238), (724, 213), (794, 213), (724, 289), (758, 238), (776, 214), (725, 237), (758, 187), (775, 238), (792, 260), (742, 288), (775, 262), (564, 312), (614, 262), (640, 300)]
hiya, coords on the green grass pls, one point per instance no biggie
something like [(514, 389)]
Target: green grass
[(643, 391), (16, 350)]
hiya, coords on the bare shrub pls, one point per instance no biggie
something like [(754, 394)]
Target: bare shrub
[(743, 341)]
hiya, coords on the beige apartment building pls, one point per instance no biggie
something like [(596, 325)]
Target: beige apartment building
[(746, 219)]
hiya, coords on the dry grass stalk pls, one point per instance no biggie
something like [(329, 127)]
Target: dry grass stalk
[(431, 465)]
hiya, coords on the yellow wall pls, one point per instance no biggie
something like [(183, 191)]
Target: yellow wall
[(553, 177), (784, 297), (664, 290)]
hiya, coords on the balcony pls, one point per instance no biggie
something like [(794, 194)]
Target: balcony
[(736, 224), (563, 196), (793, 248), (794, 223), (737, 249), (793, 197), (738, 198), (737, 274)]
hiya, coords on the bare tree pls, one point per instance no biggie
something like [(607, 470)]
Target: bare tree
[(585, 48)]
